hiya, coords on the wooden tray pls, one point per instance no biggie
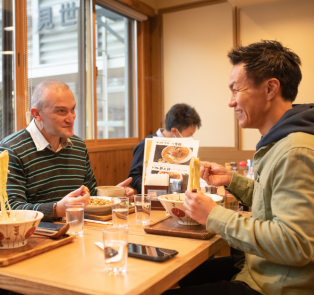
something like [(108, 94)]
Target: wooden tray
[(169, 226), (35, 245), (104, 217)]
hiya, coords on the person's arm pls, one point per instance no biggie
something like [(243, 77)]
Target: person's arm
[(288, 237), (16, 188), (136, 170), (240, 186), (90, 180), (17, 193)]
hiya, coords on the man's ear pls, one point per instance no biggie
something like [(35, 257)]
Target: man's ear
[(36, 114), (273, 87), (173, 130)]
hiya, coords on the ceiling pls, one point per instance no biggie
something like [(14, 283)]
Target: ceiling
[(243, 3)]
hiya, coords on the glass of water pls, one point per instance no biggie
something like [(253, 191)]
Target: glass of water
[(75, 217), (115, 249), (120, 211), (142, 208)]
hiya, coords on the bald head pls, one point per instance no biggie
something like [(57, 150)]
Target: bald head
[(41, 90)]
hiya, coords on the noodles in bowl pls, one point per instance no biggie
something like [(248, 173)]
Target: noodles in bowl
[(14, 233)]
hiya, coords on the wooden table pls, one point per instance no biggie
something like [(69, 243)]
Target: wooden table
[(78, 267)]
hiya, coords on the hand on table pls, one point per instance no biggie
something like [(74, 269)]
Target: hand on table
[(215, 174), (128, 191), (198, 206), (78, 196)]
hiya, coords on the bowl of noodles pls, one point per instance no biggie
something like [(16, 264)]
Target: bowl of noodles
[(176, 154), (17, 226)]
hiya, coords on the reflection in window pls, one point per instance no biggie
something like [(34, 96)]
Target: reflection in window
[(116, 79), (7, 117)]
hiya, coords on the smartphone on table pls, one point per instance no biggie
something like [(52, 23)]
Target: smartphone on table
[(150, 253)]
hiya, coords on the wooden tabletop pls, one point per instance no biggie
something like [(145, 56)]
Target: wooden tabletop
[(78, 267)]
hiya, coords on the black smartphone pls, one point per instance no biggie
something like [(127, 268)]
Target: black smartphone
[(150, 252), (51, 226)]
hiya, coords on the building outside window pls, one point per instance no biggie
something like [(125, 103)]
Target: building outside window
[(61, 47)]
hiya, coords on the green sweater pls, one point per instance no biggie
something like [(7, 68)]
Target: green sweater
[(279, 238), (37, 179)]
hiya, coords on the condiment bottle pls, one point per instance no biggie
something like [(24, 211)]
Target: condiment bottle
[(228, 166), (242, 168), (234, 166)]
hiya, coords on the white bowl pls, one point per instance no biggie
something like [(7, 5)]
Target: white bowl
[(174, 206), (15, 234), (216, 198), (100, 209)]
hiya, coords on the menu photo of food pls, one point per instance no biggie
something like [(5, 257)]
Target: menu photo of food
[(173, 154)]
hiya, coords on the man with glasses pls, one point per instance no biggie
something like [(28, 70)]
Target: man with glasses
[(181, 121)]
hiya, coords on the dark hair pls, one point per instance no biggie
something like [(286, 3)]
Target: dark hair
[(182, 116), (269, 59)]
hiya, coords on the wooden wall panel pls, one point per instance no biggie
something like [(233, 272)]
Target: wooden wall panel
[(224, 155), (111, 167)]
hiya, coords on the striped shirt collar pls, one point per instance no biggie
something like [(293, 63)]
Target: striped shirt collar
[(40, 141)]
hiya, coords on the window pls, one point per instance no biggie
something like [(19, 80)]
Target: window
[(116, 75), (56, 51), (7, 103), (57, 34)]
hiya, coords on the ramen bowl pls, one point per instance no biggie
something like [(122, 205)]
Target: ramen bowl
[(110, 191), (15, 234), (174, 206)]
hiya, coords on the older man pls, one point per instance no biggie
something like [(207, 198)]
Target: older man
[(49, 166), (279, 238)]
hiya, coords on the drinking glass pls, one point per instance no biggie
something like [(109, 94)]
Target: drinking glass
[(120, 211), (75, 217), (142, 208), (115, 241)]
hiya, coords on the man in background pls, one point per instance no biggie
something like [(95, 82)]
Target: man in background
[(181, 121), (278, 240), (49, 166)]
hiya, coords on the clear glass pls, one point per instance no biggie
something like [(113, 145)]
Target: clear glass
[(57, 51), (7, 103), (75, 217), (115, 241), (116, 75), (142, 204), (120, 212)]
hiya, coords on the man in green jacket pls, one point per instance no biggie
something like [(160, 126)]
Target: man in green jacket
[(278, 240)]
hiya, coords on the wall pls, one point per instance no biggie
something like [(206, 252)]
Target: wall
[(196, 70), (290, 22)]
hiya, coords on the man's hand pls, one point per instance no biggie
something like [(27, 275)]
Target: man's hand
[(198, 206), (128, 191), (78, 196), (215, 174)]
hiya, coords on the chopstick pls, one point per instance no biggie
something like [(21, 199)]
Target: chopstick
[(97, 221)]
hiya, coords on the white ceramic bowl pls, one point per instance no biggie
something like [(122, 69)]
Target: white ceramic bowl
[(110, 191), (99, 209), (15, 235), (174, 206)]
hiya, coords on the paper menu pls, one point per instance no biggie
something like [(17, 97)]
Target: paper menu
[(172, 156)]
